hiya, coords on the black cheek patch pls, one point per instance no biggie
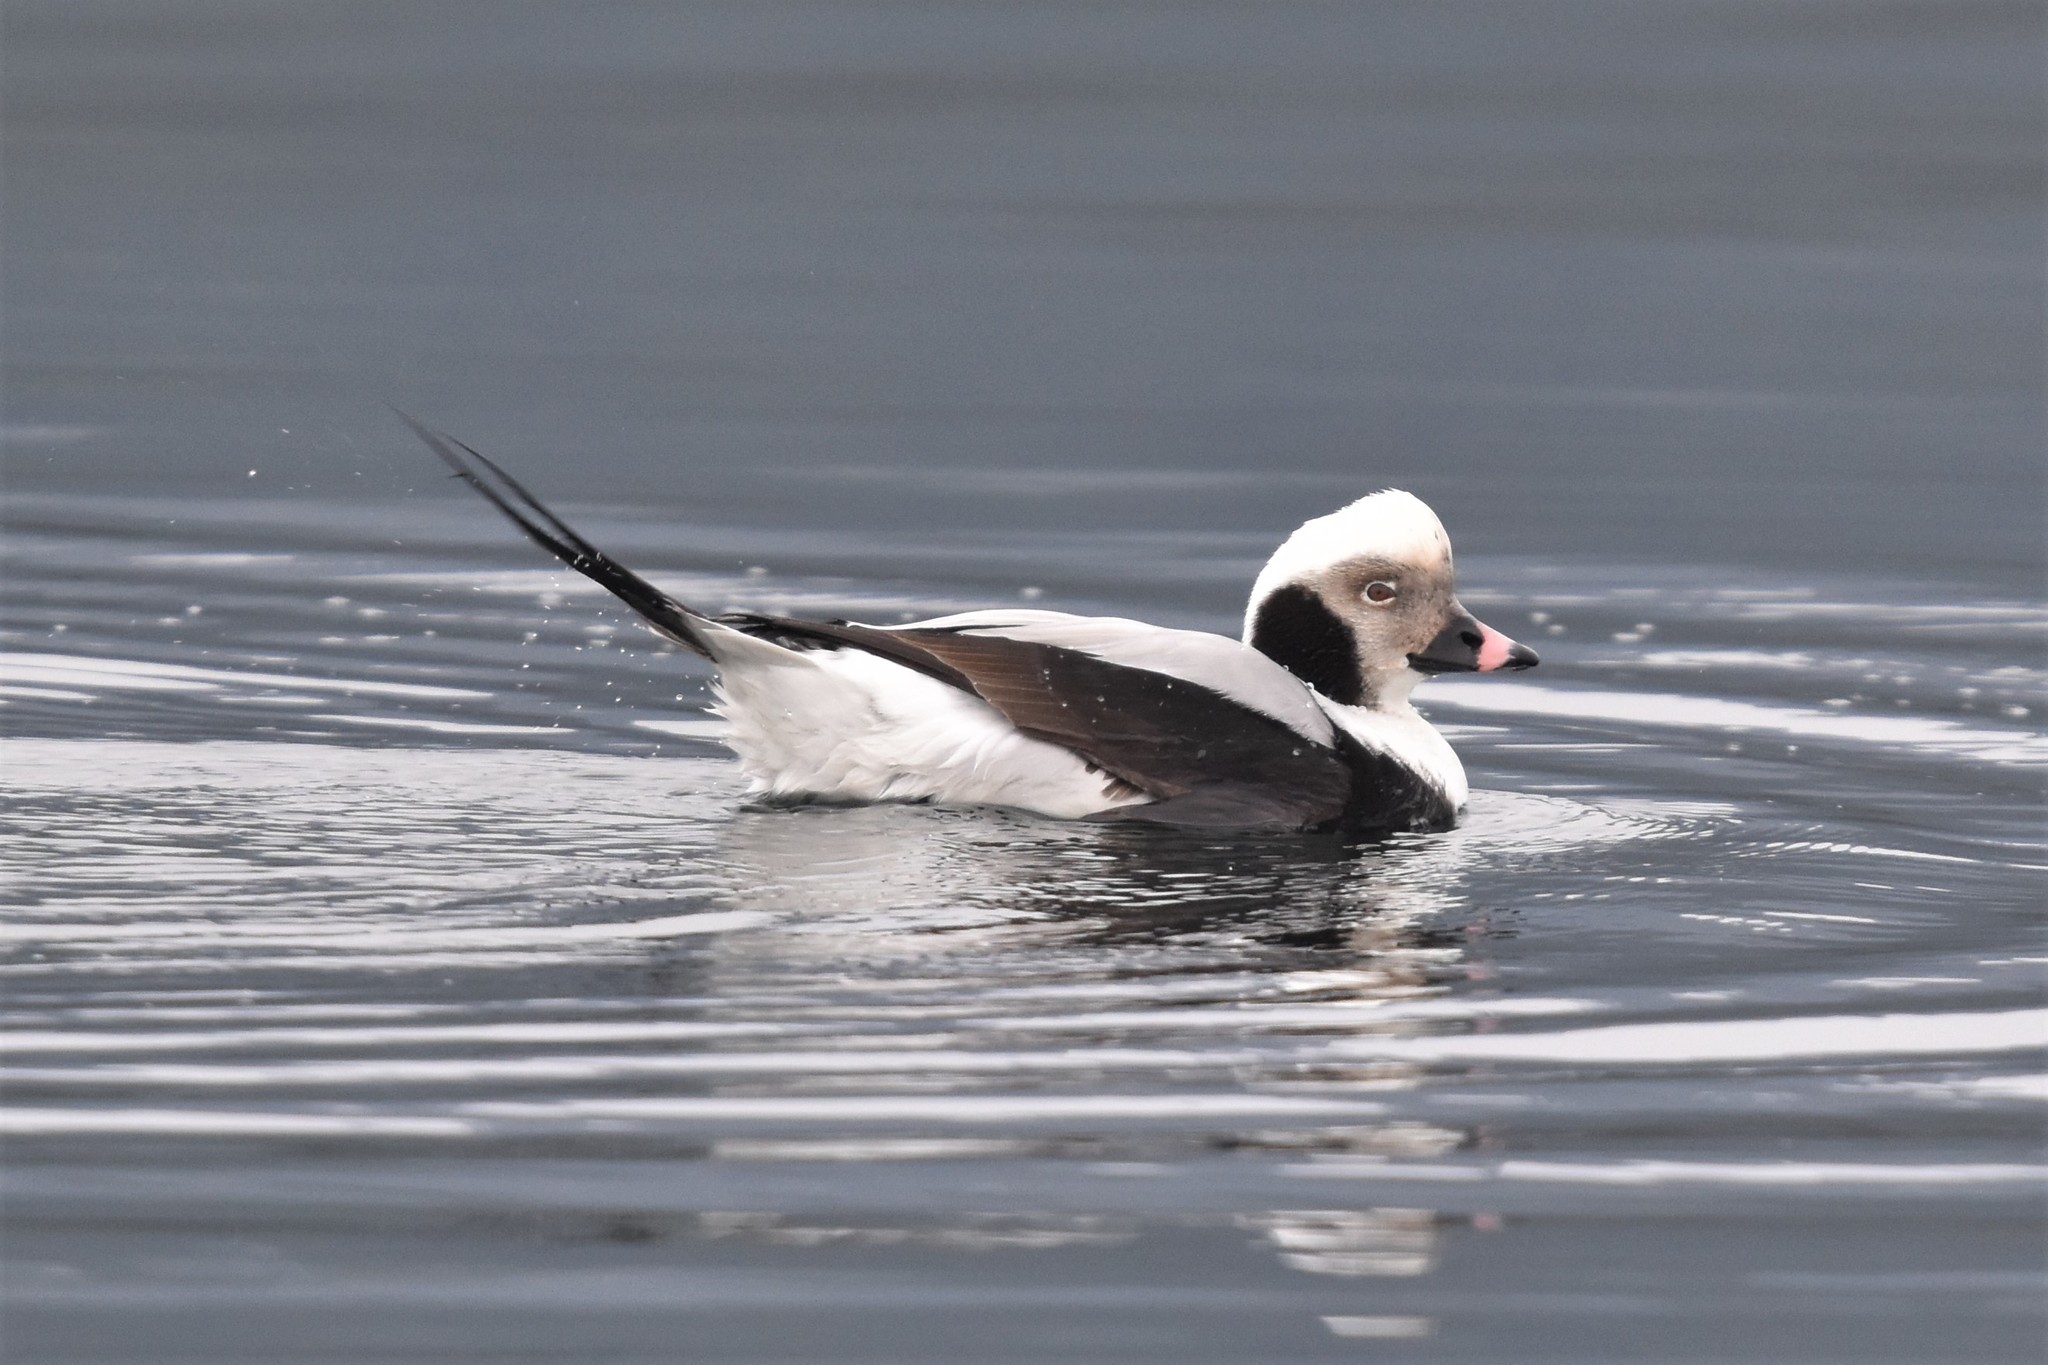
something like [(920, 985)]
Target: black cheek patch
[(1295, 629)]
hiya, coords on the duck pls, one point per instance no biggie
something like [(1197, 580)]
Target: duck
[(1303, 723)]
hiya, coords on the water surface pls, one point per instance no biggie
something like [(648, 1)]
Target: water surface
[(394, 970), (394, 967)]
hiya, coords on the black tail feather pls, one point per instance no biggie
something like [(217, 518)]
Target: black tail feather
[(557, 537)]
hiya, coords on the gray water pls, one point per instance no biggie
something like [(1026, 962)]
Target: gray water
[(394, 971)]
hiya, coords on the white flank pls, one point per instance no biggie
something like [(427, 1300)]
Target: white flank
[(1400, 732), (845, 725)]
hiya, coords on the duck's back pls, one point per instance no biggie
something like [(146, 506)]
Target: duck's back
[(1059, 714)]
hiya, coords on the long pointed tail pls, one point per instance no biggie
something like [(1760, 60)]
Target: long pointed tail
[(557, 537)]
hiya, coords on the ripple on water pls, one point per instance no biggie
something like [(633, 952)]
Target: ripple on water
[(917, 946), (497, 898)]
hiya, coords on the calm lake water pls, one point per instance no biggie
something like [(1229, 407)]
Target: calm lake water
[(394, 971)]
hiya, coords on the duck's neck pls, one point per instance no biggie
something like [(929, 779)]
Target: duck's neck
[(1396, 729), (1389, 692)]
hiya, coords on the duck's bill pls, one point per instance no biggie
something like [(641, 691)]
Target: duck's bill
[(1465, 645)]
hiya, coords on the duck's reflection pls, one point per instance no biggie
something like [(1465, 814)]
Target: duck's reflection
[(892, 870), (1040, 961), (961, 1232), (1353, 1242), (1368, 1243), (1074, 959), (1375, 1242)]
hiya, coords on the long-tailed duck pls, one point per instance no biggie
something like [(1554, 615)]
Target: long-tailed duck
[(1303, 724)]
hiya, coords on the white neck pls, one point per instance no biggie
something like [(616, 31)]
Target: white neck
[(1390, 689), (1395, 728)]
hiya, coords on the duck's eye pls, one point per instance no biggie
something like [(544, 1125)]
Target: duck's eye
[(1379, 594)]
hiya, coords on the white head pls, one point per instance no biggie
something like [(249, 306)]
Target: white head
[(1361, 605)]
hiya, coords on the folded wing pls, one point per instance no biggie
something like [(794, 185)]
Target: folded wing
[(1170, 738)]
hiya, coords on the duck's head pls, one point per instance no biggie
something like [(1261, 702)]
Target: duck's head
[(1362, 605)]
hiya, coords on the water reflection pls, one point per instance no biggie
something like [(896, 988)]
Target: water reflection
[(1381, 1243), (1112, 999), (1353, 1242), (960, 1232), (891, 876), (509, 981)]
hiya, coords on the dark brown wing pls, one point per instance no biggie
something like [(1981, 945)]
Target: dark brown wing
[(1212, 760)]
